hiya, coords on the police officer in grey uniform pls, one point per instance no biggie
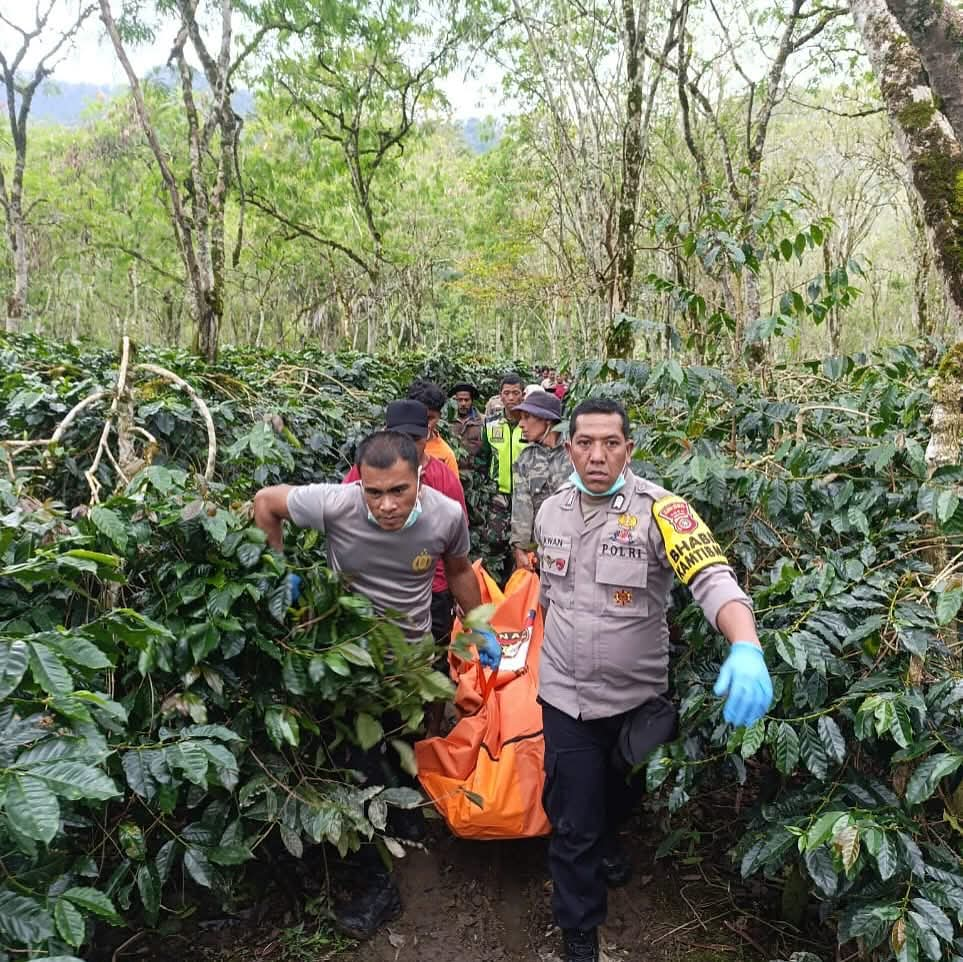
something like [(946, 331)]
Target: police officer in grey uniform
[(385, 533), (609, 544)]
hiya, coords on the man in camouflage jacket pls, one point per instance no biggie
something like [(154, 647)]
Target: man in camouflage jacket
[(539, 471)]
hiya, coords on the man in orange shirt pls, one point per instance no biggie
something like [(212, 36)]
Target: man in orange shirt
[(434, 398)]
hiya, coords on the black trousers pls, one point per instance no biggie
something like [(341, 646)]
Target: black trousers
[(586, 800), (442, 616)]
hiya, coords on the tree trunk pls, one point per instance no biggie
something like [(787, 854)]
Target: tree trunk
[(620, 339), (936, 31), (930, 147), (17, 304), (922, 319)]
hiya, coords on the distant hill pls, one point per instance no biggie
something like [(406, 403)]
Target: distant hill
[(65, 104)]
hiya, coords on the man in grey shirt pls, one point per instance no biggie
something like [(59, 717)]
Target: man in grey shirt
[(385, 533)]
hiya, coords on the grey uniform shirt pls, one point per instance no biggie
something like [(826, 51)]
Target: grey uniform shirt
[(393, 569), (606, 582)]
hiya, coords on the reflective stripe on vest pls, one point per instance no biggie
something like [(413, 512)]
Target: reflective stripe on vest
[(507, 443)]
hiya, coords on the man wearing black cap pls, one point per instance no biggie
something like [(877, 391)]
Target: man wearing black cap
[(468, 424), (411, 418), (539, 470)]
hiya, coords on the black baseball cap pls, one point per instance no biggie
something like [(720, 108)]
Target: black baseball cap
[(407, 417), (463, 386)]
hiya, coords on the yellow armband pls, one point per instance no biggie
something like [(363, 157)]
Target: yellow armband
[(688, 541)]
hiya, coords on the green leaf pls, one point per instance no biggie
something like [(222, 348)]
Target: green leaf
[(402, 797), (846, 843), (282, 726), (819, 864), (901, 727), (94, 901), (858, 519), (946, 505), (356, 654), (928, 774), (198, 867), (368, 730), (109, 523), (886, 860), (70, 923), (74, 780), (832, 739), (292, 840), (14, 658), (83, 652), (406, 756), (879, 457), (23, 919), (948, 604), (824, 826), (294, 674), (32, 808), (230, 854), (786, 748), (478, 617), (49, 671), (249, 554), (812, 752), (753, 738), (149, 887), (936, 918)]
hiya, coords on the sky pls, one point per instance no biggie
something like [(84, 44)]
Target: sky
[(91, 59)]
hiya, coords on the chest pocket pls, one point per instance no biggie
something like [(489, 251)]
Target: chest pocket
[(555, 564), (621, 573)]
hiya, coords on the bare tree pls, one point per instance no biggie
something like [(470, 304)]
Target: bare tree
[(20, 86), (738, 153), (197, 206), (361, 91), (594, 87)]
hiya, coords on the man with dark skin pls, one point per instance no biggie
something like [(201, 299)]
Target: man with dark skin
[(385, 534), (468, 424)]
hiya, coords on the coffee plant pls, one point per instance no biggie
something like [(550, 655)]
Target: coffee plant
[(166, 714), (822, 499), (168, 717)]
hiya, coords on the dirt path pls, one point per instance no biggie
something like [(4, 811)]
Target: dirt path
[(489, 902)]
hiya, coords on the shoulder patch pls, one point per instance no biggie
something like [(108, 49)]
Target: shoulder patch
[(689, 544)]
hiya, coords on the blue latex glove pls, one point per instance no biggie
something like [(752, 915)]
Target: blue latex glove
[(489, 650), (746, 681), (294, 583)]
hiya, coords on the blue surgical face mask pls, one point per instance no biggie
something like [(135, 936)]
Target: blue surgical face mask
[(413, 515), (617, 485)]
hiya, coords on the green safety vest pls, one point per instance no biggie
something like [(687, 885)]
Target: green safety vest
[(506, 442)]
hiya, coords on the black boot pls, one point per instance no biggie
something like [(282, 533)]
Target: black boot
[(379, 903), (581, 945), (617, 870)]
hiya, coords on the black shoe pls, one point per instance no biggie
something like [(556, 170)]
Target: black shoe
[(617, 870), (581, 945), (367, 912)]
